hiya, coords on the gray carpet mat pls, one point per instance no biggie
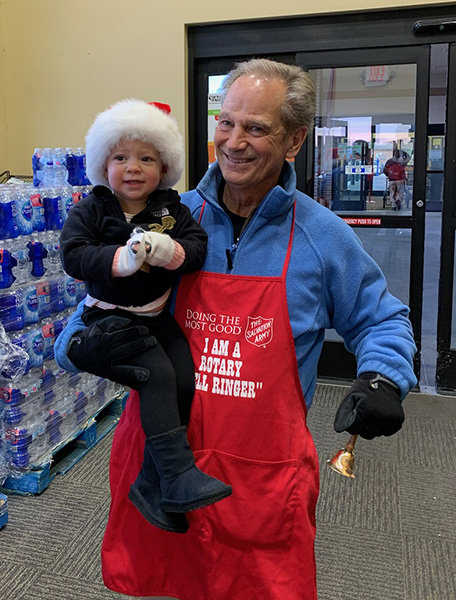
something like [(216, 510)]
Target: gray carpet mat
[(388, 534)]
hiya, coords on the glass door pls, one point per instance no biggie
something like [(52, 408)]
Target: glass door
[(366, 161), (362, 146)]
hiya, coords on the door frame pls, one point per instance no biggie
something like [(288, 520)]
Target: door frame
[(215, 48), (446, 355)]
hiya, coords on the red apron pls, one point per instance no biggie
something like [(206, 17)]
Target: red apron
[(248, 428)]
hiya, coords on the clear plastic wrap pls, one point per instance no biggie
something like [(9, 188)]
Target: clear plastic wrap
[(13, 359), (44, 410), (42, 407)]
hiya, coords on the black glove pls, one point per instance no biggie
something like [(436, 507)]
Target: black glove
[(106, 348), (371, 408)]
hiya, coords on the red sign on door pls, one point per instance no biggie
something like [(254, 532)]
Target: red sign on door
[(362, 221)]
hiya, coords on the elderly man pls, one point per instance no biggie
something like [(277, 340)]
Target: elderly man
[(280, 269)]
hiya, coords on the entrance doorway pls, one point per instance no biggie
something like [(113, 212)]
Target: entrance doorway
[(380, 154)]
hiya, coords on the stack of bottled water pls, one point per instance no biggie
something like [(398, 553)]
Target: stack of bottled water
[(55, 166), (61, 179), (44, 409), (41, 405)]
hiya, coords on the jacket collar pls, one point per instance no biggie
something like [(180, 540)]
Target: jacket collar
[(158, 197), (102, 192), (278, 200)]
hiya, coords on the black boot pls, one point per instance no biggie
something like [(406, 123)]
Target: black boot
[(184, 487), (145, 494)]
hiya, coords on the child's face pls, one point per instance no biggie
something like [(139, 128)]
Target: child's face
[(134, 170)]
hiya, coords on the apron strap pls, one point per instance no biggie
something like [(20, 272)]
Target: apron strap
[(201, 212), (290, 244)]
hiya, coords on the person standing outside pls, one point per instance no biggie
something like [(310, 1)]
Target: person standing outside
[(279, 270), (395, 170)]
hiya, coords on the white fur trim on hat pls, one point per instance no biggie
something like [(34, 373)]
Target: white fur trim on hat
[(134, 120)]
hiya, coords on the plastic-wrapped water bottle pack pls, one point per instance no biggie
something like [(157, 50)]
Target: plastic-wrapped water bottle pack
[(42, 410), (58, 166), (41, 405)]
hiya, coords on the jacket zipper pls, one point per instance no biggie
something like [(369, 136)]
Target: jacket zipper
[(230, 252)]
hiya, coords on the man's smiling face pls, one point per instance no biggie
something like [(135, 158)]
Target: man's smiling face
[(250, 140)]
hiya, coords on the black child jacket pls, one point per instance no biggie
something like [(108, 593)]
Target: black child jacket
[(96, 227)]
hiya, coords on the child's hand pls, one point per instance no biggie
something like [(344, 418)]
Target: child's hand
[(137, 242), (162, 248), (130, 258)]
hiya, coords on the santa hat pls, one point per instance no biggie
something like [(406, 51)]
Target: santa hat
[(135, 120)]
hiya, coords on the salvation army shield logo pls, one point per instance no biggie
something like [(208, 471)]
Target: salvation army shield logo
[(259, 331)]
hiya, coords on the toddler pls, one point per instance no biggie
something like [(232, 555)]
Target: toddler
[(130, 240)]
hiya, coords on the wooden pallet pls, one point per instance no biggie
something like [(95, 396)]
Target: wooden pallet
[(69, 452), (3, 510)]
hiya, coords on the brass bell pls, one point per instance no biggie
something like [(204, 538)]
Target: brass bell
[(342, 462)]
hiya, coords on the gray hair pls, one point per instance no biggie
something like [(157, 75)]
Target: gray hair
[(298, 109)]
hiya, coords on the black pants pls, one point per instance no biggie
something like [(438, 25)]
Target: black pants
[(165, 399)]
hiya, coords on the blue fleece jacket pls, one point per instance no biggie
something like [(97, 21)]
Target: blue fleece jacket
[(331, 281)]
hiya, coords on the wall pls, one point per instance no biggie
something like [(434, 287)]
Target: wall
[(64, 61)]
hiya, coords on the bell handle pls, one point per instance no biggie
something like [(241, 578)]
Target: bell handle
[(350, 445)]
